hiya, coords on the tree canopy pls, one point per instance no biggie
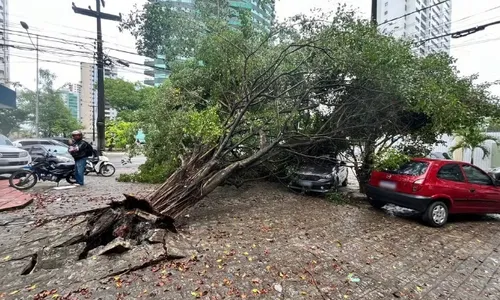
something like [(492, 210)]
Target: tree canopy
[(246, 98), (54, 117)]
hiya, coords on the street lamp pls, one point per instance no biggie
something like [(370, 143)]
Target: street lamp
[(26, 27)]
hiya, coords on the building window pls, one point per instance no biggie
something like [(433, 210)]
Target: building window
[(387, 3), (385, 13)]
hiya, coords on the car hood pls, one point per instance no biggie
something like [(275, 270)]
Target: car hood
[(10, 149), (315, 170)]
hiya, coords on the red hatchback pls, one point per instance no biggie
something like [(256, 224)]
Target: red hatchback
[(436, 188)]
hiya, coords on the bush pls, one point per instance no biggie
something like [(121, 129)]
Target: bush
[(390, 159), (149, 173)]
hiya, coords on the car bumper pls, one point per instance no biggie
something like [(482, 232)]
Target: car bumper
[(11, 168), (418, 203), (311, 186)]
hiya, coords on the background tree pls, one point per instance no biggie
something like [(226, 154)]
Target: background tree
[(55, 118), (11, 119), (473, 138)]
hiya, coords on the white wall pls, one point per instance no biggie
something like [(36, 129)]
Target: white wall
[(485, 163)]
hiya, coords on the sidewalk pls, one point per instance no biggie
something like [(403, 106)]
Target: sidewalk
[(10, 198)]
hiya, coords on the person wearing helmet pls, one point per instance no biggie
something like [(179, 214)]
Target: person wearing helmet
[(80, 150)]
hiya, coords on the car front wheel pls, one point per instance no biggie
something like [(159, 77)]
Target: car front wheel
[(436, 214)]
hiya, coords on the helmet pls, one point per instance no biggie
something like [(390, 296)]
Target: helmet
[(76, 132)]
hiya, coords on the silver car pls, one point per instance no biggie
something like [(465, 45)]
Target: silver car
[(11, 157)]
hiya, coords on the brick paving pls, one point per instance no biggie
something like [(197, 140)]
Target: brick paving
[(10, 198), (265, 242), (250, 240)]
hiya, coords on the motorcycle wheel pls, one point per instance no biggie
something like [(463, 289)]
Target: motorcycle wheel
[(71, 178), (23, 173), (107, 170)]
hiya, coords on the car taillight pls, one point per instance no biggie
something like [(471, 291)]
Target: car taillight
[(417, 184)]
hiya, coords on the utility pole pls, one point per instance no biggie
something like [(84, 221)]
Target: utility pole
[(101, 129), (37, 92), (374, 12)]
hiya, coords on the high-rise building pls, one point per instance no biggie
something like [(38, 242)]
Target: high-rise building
[(4, 39), (431, 21), (88, 97), (262, 15), (72, 102)]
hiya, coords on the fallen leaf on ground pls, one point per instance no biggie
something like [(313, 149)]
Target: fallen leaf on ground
[(255, 291), (6, 258), (419, 289)]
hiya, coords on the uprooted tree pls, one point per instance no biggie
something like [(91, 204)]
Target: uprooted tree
[(247, 96)]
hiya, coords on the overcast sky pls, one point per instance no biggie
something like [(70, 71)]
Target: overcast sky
[(477, 53)]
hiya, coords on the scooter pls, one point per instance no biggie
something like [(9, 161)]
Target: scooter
[(100, 165)]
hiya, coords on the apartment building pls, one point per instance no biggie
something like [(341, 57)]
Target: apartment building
[(4, 38), (262, 15), (71, 99), (429, 22)]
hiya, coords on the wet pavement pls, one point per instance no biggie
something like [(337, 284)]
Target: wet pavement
[(262, 241)]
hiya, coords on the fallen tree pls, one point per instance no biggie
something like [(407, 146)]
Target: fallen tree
[(247, 96)]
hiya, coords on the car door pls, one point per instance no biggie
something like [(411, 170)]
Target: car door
[(485, 196), (450, 181)]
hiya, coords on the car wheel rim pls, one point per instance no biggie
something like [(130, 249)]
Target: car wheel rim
[(439, 214)]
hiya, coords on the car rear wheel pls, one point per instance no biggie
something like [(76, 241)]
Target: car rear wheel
[(436, 214), (377, 204)]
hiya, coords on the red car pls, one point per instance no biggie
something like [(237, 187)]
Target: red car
[(436, 188)]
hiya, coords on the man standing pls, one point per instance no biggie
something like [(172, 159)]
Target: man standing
[(80, 150)]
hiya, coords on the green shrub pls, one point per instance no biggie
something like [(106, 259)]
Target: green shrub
[(390, 159)]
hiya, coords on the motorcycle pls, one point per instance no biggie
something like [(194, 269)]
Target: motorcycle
[(45, 168), (100, 165)]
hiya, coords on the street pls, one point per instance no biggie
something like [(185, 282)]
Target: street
[(263, 241)]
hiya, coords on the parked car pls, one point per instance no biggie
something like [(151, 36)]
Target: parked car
[(62, 140), (436, 188), (39, 141), (495, 173), (59, 154), (11, 157), (319, 175)]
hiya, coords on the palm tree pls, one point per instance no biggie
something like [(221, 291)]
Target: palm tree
[(473, 138)]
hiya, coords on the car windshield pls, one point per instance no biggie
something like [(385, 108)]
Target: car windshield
[(5, 141), (412, 168)]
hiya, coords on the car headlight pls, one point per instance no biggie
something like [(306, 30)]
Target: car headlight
[(23, 154)]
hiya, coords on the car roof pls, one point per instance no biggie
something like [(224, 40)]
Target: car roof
[(439, 161)]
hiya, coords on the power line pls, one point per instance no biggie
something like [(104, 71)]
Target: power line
[(414, 12), (80, 44), (460, 33)]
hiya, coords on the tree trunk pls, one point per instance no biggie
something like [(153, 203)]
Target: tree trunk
[(195, 179), (363, 172), (472, 156)]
